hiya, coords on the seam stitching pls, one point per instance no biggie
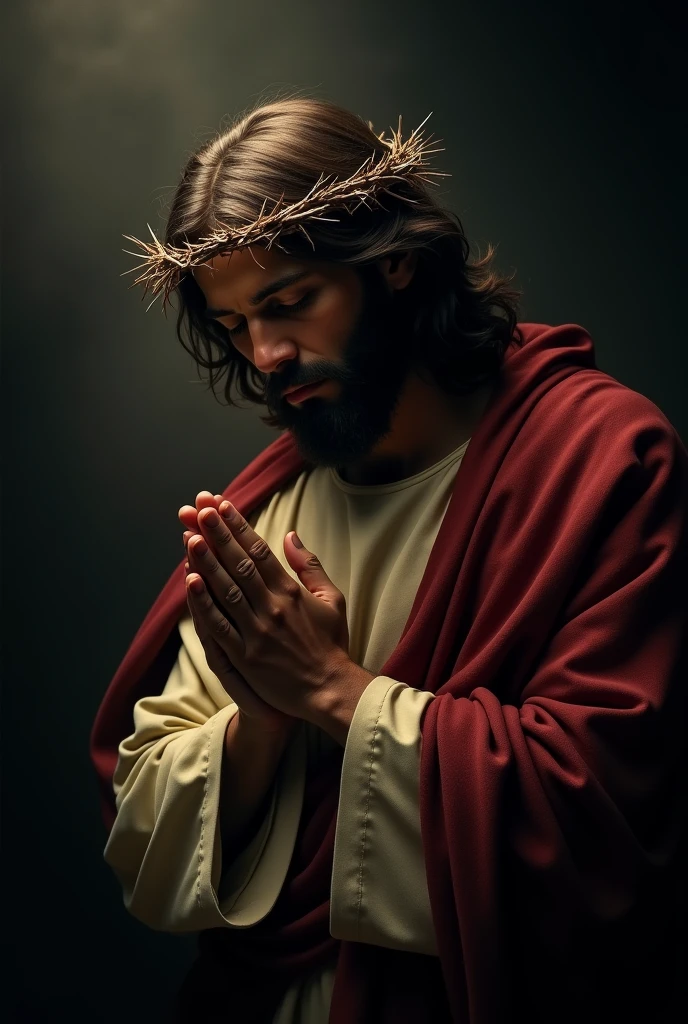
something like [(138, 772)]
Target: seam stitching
[(367, 808), (203, 816)]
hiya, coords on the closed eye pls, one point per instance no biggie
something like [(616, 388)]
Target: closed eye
[(277, 308)]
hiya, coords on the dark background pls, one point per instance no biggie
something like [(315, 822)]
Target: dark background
[(562, 125)]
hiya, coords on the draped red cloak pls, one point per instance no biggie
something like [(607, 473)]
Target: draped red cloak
[(552, 624)]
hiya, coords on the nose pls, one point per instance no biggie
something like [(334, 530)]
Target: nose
[(271, 347)]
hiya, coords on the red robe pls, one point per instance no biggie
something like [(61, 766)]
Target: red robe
[(552, 624)]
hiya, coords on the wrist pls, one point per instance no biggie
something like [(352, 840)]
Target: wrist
[(334, 703)]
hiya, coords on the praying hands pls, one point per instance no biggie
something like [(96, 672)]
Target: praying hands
[(280, 649)]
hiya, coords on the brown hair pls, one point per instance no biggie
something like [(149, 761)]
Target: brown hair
[(464, 314)]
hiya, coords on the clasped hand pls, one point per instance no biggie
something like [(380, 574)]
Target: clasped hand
[(273, 643)]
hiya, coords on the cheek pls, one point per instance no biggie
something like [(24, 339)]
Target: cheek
[(324, 336), (332, 327)]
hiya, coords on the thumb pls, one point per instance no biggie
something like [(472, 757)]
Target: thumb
[(308, 568)]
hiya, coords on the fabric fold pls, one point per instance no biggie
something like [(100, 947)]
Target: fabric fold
[(165, 845)]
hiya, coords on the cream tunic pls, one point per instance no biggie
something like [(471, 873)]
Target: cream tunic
[(374, 542)]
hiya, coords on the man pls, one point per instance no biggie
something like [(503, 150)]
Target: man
[(406, 744)]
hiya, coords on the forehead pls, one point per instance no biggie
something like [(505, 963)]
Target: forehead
[(243, 272)]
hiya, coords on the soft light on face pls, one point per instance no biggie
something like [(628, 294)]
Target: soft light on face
[(281, 313), (325, 320)]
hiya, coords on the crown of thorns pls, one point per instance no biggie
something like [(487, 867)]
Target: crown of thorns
[(163, 265)]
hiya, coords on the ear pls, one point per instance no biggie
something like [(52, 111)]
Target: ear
[(398, 268)]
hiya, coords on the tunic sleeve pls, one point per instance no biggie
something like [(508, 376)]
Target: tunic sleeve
[(165, 845), (379, 889)]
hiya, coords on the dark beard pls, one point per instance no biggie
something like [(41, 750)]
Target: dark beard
[(372, 373)]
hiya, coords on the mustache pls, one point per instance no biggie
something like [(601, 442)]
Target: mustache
[(317, 373), (363, 357)]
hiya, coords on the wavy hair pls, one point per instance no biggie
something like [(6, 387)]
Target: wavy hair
[(463, 313)]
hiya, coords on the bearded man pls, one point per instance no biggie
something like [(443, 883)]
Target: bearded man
[(401, 738)]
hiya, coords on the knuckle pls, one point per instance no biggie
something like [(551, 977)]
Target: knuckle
[(275, 613), (259, 550), (223, 541), (292, 589), (233, 595), (221, 627), (313, 562), (246, 568)]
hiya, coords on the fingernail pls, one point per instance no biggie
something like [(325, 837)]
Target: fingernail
[(296, 541), (210, 518), (227, 510)]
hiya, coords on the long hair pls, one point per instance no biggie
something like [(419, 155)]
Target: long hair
[(462, 313)]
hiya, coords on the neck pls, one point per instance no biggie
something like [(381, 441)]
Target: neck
[(427, 425)]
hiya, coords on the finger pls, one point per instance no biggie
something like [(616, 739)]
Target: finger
[(221, 586), (271, 570), (187, 514), (233, 682), (188, 534), (245, 568), (209, 620), (310, 571), (218, 659), (204, 499), (188, 517)]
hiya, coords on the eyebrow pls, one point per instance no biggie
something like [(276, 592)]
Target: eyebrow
[(268, 289)]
